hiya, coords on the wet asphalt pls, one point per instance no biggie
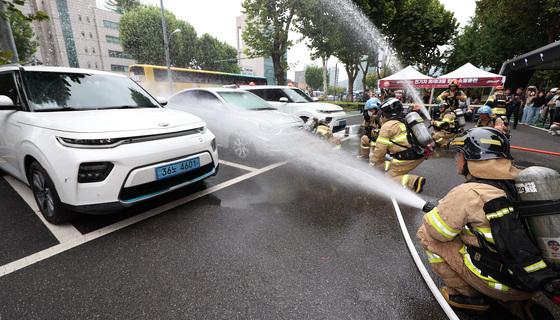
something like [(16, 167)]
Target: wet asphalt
[(286, 244)]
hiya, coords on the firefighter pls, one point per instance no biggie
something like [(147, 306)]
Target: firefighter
[(486, 118), (471, 228), (446, 127), (323, 130), (394, 140), (498, 103), (371, 126), (453, 95)]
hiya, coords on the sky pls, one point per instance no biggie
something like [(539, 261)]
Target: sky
[(217, 17)]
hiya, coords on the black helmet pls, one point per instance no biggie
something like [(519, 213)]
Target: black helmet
[(392, 108), (482, 144)]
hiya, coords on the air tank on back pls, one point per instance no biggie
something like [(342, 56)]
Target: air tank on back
[(540, 187), (419, 130), (460, 114)]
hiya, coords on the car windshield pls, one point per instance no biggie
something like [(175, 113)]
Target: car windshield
[(55, 91), (245, 100), (298, 96)]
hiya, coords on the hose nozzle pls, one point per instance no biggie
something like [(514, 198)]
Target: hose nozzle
[(429, 206)]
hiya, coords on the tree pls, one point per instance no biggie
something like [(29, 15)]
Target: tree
[(21, 30), (212, 54), (142, 37), (371, 80), (23, 37), (122, 6), (314, 77), (318, 26), (502, 29), (266, 32)]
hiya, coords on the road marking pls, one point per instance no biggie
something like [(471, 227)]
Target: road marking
[(349, 137), (429, 281), (237, 165), (72, 243), (63, 232)]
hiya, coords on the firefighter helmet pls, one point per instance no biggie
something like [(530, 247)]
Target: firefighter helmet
[(455, 83), (485, 110), (482, 144), (392, 108)]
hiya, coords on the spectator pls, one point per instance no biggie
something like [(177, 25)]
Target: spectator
[(529, 110), (550, 110), (514, 105), (539, 102)]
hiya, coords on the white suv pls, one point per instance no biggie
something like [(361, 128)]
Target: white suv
[(295, 101), (93, 142)]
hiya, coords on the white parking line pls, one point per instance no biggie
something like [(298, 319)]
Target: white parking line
[(72, 243), (237, 165), (429, 281), (63, 232)]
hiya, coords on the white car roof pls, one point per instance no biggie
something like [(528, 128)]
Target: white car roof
[(57, 69), (266, 87), (211, 89)]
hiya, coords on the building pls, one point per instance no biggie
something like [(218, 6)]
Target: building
[(261, 66), (78, 34), (299, 77)]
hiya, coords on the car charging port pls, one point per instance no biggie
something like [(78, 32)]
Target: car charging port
[(94, 171)]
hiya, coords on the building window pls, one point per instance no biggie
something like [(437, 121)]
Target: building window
[(96, 66), (83, 34), (79, 18), (112, 39), (93, 49), (90, 35), (87, 19), (86, 50), (119, 54), (111, 24), (119, 68), (89, 65)]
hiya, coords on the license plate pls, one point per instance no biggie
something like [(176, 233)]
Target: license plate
[(177, 168)]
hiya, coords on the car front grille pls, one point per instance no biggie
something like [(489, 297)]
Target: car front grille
[(154, 188)]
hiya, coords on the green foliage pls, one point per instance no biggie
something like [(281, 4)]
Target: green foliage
[(142, 37), (23, 37), (314, 77), (502, 29), (21, 30), (371, 80), (416, 31), (212, 54), (266, 32), (122, 6)]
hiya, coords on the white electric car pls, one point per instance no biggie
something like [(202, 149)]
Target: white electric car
[(295, 101), (94, 142), (243, 123)]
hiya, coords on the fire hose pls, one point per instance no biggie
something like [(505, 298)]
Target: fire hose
[(551, 153)]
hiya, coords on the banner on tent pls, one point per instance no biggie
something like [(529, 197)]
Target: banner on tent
[(441, 83)]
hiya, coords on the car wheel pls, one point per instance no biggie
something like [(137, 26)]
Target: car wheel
[(241, 147), (46, 196)]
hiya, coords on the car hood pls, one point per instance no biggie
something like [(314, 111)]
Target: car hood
[(325, 106), (274, 118), (114, 120)]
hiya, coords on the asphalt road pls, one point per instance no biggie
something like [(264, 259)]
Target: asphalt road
[(278, 243)]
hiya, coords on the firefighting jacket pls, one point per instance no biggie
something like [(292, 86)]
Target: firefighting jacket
[(447, 122), (393, 138), (497, 103)]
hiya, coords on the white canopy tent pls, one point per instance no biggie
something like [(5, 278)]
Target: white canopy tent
[(470, 76), (400, 79)]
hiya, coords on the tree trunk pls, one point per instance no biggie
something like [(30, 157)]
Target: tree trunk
[(279, 73), (325, 80), (352, 72), (364, 71)]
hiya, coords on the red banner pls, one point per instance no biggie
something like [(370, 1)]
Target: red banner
[(440, 83)]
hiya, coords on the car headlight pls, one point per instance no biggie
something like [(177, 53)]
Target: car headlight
[(213, 144), (89, 143), (94, 171)]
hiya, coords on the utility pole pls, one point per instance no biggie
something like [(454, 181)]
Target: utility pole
[(166, 45), (7, 40)]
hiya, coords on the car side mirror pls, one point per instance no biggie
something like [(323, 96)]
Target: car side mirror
[(315, 99), (6, 103), (284, 99), (162, 100)]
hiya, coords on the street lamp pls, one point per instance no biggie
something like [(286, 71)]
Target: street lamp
[(166, 45)]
